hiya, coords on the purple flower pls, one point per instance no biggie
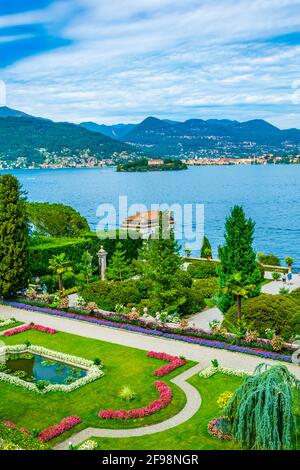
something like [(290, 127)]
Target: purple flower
[(139, 329)]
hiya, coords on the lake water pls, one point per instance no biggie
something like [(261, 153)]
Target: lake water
[(269, 194)]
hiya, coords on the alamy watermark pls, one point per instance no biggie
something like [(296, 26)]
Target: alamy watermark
[(186, 221)]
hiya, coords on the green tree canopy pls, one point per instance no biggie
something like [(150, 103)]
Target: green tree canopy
[(56, 220), (119, 268), (262, 410), (238, 256), (13, 237)]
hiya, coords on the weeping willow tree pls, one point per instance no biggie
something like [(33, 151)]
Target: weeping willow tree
[(262, 411)]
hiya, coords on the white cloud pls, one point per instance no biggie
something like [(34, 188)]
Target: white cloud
[(133, 58)]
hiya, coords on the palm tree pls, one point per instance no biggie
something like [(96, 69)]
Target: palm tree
[(289, 261), (60, 264), (235, 285)]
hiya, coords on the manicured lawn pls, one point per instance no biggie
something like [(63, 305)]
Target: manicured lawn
[(122, 366), (191, 435)]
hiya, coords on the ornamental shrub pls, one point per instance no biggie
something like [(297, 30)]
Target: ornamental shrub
[(270, 260), (197, 294), (203, 269), (107, 294), (275, 312)]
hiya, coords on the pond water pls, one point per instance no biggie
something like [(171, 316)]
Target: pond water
[(33, 368)]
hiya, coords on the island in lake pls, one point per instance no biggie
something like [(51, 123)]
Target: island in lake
[(145, 164)]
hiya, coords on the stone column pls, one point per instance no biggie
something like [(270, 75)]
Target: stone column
[(102, 254)]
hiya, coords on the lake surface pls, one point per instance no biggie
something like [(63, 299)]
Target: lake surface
[(269, 194)]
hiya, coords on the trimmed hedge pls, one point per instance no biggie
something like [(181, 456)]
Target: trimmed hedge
[(107, 294), (44, 248), (277, 312)]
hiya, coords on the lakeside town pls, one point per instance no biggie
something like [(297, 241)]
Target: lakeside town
[(87, 161)]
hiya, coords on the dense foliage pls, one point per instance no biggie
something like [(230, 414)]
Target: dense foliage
[(280, 313), (262, 410), (143, 165), (270, 260), (203, 269), (160, 265), (108, 294), (13, 237), (56, 220), (44, 248), (238, 256)]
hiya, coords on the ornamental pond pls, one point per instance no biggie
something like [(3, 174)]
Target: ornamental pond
[(34, 368)]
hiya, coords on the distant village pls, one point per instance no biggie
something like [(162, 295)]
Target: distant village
[(88, 161)]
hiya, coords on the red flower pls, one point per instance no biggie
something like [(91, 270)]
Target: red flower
[(165, 398)]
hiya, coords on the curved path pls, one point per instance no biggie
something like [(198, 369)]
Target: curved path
[(193, 402)]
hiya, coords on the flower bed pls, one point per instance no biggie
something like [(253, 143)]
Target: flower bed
[(18, 439), (94, 372), (57, 429), (21, 329), (6, 322), (174, 362), (189, 335), (212, 370), (214, 430), (164, 399)]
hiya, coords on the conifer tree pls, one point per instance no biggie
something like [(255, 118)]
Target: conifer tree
[(237, 256), (160, 266), (119, 267), (13, 237), (206, 251)]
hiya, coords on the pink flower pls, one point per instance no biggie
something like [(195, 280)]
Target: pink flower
[(174, 362), (164, 399), (57, 429), (21, 329)]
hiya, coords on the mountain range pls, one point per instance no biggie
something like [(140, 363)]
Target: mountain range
[(38, 140), (194, 137), (26, 140)]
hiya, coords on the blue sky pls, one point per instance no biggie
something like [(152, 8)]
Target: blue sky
[(122, 60)]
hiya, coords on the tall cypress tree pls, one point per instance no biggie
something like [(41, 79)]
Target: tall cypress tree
[(237, 256), (13, 237)]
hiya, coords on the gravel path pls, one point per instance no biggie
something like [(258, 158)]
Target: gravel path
[(203, 319), (193, 402), (194, 352)]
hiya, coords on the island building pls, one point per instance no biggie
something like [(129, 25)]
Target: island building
[(147, 223)]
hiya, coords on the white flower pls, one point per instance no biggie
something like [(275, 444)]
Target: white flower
[(93, 372), (88, 445)]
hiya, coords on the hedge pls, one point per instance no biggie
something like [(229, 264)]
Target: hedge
[(107, 294), (44, 248), (203, 269)]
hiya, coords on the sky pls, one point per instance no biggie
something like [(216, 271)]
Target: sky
[(112, 61)]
